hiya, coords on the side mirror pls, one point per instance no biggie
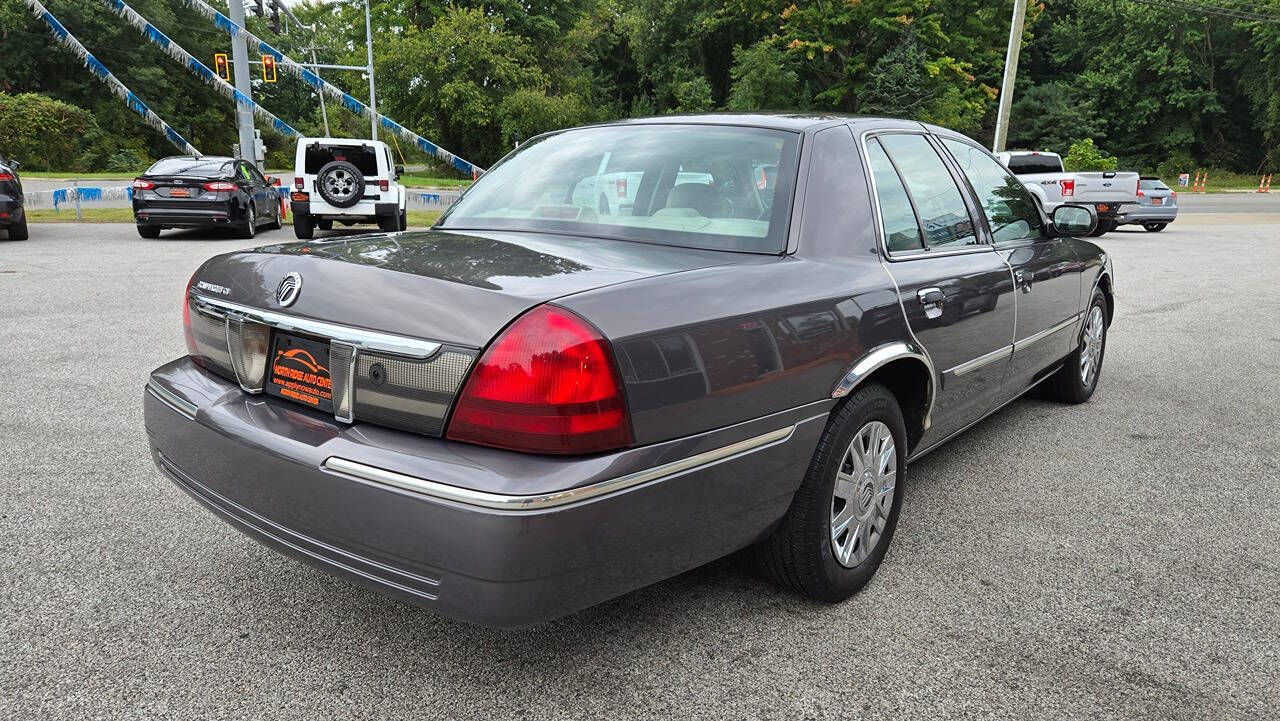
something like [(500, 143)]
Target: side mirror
[(14, 165), (273, 180), (1074, 220), (399, 171)]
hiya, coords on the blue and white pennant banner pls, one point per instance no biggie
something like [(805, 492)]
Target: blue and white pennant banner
[(175, 51), (100, 71), (323, 86)]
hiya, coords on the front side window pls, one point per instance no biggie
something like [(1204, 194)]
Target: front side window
[(901, 232), (943, 214), (1009, 207), (689, 185)]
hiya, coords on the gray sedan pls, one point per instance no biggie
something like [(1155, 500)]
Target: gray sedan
[(1157, 206), (545, 401)]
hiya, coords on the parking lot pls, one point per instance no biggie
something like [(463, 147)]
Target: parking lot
[(1114, 559)]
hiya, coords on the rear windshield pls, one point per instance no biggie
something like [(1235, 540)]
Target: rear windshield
[(200, 167), (1152, 184), (1031, 164), (363, 157), (700, 186)]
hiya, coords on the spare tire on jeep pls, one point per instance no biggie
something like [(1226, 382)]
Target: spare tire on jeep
[(340, 183)]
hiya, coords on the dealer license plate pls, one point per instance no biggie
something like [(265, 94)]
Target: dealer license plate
[(300, 371)]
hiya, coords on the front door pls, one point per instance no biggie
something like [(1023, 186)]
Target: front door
[(956, 290), (1045, 270)]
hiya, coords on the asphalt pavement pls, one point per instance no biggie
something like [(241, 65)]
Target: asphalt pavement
[(1117, 559)]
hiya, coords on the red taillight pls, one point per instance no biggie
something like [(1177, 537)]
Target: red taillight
[(1141, 194), (220, 186), (140, 184), (1173, 194), (1068, 188), (384, 185), (297, 182), (548, 384), (5, 176), (186, 319)]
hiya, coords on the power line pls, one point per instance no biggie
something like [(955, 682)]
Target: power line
[(1221, 10)]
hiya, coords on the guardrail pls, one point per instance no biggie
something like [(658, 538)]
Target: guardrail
[(76, 195)]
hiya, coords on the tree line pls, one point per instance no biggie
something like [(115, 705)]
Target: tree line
[(1159, 90)]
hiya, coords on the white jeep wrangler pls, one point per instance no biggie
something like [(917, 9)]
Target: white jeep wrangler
[(346, 180)]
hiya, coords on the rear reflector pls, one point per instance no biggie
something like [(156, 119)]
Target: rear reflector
[(300, 197), (1068, 188), (220, 186), (548, 384)]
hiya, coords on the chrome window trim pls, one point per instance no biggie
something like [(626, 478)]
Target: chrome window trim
[(171, 399), (881, 356), (359, 337), (981, 361), (501, 501), (1037, 337)]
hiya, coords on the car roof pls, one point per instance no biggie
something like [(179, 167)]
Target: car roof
[(210, 158), (797, 122), (341, 141)]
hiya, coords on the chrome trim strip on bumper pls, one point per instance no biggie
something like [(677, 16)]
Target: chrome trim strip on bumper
[(541, 501), (359, 337), (1020, 344), (167, 397), (982, 360)]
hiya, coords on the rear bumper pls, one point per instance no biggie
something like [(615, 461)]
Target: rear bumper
[(359, 210), (217, 213), (486, 536), (1148, 214), (11, 208)]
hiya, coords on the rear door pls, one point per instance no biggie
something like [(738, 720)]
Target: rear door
[(1046, 271), (957, 292)]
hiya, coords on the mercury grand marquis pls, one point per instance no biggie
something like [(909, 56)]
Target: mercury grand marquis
[(546, 400)]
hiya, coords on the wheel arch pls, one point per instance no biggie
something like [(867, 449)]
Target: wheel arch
[(905, 369), (1104, 284)]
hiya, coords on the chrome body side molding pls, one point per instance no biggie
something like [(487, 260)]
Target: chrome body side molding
[(500, 501), (1020, 344), (981, 361), (358, 337)]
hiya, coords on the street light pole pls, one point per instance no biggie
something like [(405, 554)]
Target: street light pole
[(1010, 75), (373, 103)]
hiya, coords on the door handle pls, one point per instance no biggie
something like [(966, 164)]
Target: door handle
[(1024, 280), (931, 297)]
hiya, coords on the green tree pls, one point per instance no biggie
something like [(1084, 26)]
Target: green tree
[(1084, 155)]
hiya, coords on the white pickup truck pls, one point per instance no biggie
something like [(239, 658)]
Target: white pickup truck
[(1043, 175)]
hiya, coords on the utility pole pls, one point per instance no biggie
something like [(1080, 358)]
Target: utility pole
[(1010, 75), (240, 66), (373, 103)]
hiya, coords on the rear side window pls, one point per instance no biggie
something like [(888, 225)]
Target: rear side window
[(901, 232), (942, 211), (362, 156), (1030, 164)]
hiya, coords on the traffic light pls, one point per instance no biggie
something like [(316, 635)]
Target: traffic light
[(269, 68), (221, 67)]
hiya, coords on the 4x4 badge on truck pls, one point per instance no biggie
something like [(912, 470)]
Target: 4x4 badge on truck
[(290, 287)]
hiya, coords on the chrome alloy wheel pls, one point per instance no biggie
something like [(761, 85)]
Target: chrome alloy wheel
[(340, 184), (1091, 350), (863, 494)]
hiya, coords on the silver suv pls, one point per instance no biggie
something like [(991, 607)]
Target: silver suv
[(345, 180)]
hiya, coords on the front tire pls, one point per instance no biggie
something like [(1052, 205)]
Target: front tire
[(150, 232), (1077, 379), (842, 518), (1154, 227)]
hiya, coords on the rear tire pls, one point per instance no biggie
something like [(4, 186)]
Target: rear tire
[(149, 231), (1077, 379), (18, 231), (404, 220), (857, 470), (303, 226), (1154, 227), (389, 223), (1104, 227), (250, 227)]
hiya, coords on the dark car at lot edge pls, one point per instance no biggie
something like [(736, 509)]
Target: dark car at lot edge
[(205, 192), (540, 404), (13, 215)]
